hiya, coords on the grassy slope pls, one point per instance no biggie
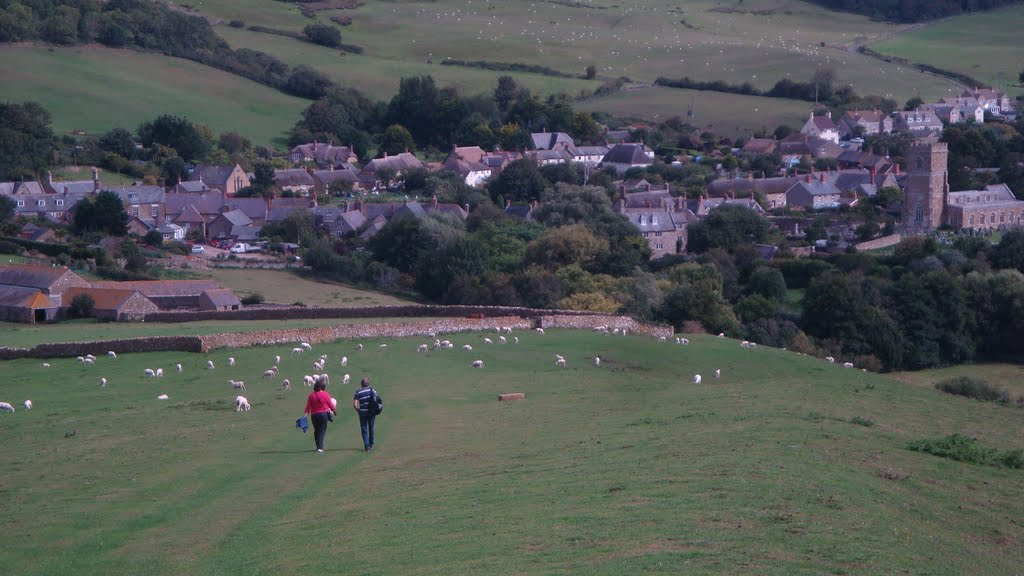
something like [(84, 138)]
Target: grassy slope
[(96, 89), (985, 45), (285, 287), (623, 469), (1007, 376)]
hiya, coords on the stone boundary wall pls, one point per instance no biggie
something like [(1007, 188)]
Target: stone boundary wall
[(412, 311), (883, 242), (610, 322), (100, 348)]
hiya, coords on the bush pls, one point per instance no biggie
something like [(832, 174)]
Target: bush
[(154, 238), (861, 421), (966, 449), (81, 306), (10, 248), (253, 299), (974, 388), (237, 24)]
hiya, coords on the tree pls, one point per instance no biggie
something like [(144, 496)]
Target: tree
[(104, 214), (696, 294), (177, 133), (557, 247), (81, 306), (173, 170), (7, 208), (154, 238), (591, 72), (513, 137), (323, 34), (505, 93), (26, 140), (396, 139), (118, 141), (306, 82), (729, 226), (17, 23), (769, 283), (415, 107), (1009, 253), (520, 181), (585, 129), (913, 103), (62, 26)]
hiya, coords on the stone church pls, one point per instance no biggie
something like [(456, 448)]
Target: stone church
[(928, 203)]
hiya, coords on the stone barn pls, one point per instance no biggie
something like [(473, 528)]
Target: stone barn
[(51, 281), (220, 299), (28, 305), (113, 304)]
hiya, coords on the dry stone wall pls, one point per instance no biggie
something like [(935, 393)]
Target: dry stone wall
[(412, 311), (609, 322)]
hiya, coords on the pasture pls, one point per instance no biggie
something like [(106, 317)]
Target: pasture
[(983, 45), (287, 287), (96, 89), (624, 468)]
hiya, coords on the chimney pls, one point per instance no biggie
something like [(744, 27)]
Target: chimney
[(433, 201), (508, 204), (873, 174), (811, 115), (750, 175), (49, 178), (808, 177), (828, 114), (533, 205), (897, 168), (822, 177)]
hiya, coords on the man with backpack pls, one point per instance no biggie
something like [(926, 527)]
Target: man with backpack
[(368, 404)]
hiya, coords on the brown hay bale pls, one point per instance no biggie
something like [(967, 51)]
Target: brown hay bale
[(511, 396)]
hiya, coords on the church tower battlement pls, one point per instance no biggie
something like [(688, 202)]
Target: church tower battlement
[(926, 188)]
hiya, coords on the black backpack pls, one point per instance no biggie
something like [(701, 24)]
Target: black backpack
[(376, 404)]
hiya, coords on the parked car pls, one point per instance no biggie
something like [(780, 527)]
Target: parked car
[(238, 248), (197, 249)]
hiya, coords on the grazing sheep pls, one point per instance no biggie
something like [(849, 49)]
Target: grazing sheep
[(286, 385), (346, 379), (323, 357), (80, 359), (334, 403), (753, 344), (162, 397), (88, 361), (277, 359), (615, 331), (599, 329), (830, 359), (721, 334), (359, 346), (477, 364), (597, 361), (383, 346), (103, 382), (159, 373), (560, 362), (447, 344), (661, 339), (46, 365), (178, 368), (696, 378), (684, 341), (90, 357), (209, 364), (501, 340), (237, 384), (624, 332), (324, 379), (422, 348), (488, 341), (467, 347), (436, 345), (744, 344), (318, 367), (344, 360), (149, 372), (296, 351), (307, 380), (111, 354), (231, 361), (6, 407), (847, 364), (515, 339), (270, 373), (718, 373), (28, 404), (242, 404), (305, 345), (540, 331)]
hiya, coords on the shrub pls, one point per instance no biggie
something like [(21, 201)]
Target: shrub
[(966, 449), (975, 388), (237, 24), (10, 248), (861, 421), (154, 238), (81, 306), (253, 299)]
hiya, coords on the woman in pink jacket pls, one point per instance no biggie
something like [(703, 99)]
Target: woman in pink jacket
[(320, 411)]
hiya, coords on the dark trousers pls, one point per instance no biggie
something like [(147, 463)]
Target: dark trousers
[(319, 428), (366, 427)]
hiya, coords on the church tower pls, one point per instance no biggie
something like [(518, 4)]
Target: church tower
[(926, 188)]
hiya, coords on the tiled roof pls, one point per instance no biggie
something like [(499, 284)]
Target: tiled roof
[(141, 194), (220, 297), (41, 277), (156, 288), (816, 187), (398, 162), (23, 297), (103, 298), (628, 154), (236, 218), (552, 140), (294, 177), (13, 188), (190, 215), (213, 175)]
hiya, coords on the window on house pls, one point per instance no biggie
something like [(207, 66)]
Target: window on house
[(659, 246), (971, 220), (40, 202), (981, 218), (154, 210), (21, 203), (919, 216), (992, 218), (135, 211), (1002, 217), (657, 234), (60, 202)]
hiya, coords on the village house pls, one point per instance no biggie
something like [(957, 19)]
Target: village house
[(298, 181), (623, 157), (660, 218), (27, 305), (702, 206), (991, 100), (219, 299), (324, 155), (397, 165), (228, 224), (166, 294), (758, 147), (816, 194), (772, 189), (21, 188), (467, 162), (36, 233), (549, 157), (227, 179), (553, 141), (589, 155), (54, 207), (336, 181), (49, 281), (147, 203), (821, 127), (915, 120), (994, 208), (83, 187), (864, 123), (796, 146)]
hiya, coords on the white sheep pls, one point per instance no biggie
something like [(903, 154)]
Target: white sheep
[(90, 357), (662, 339), (477, 364), (178, 368), (467, 347), (305, 345), (718, 373), (346, 379), (28, 404), (307, 380), (721, 334), (242, 404), (209, 365), (46, 365), (270, 373), (359, 346), (422, 348), (540, 331), (515, 339), (847, 364), (446, 344), (744, 344), (318, 367), (597, 361), (88, 361), (436, 345), (615, 331), (334, 403), (80, 359), (159, 373), (624, 332), (111, 354), (6, 407), (277, 359), (237, 384), (560, 362), (286, 385), (324, 379), (296, 351), (508, 329), (103, 382), (696, 378), (383, 346), (753, 344), (830, 359), (488, 341), (231, 361), (501, 340), (344, 360), (162, 397), (684, 341), (149, 372)]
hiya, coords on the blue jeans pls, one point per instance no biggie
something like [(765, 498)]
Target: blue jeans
[(366, 427)]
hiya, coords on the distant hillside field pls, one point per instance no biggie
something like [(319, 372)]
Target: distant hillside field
[(784, 466), (985, 45), (95, 89), (287, 287)]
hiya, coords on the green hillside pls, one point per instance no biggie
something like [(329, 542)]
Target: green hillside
[(96, 89), (785, 465)]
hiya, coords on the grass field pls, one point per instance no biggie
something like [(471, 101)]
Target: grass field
[(96, 89), (621, 469), (286, 287), (1007, 376), (983, 45)]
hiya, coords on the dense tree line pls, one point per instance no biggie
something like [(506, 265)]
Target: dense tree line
[(912, 10)]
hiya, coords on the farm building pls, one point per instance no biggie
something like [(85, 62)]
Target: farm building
[(220, 299), (50, 281), (166, 294), (23, 304), (113, 304)]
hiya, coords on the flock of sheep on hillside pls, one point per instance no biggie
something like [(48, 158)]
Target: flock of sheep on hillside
[(242, 404)]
